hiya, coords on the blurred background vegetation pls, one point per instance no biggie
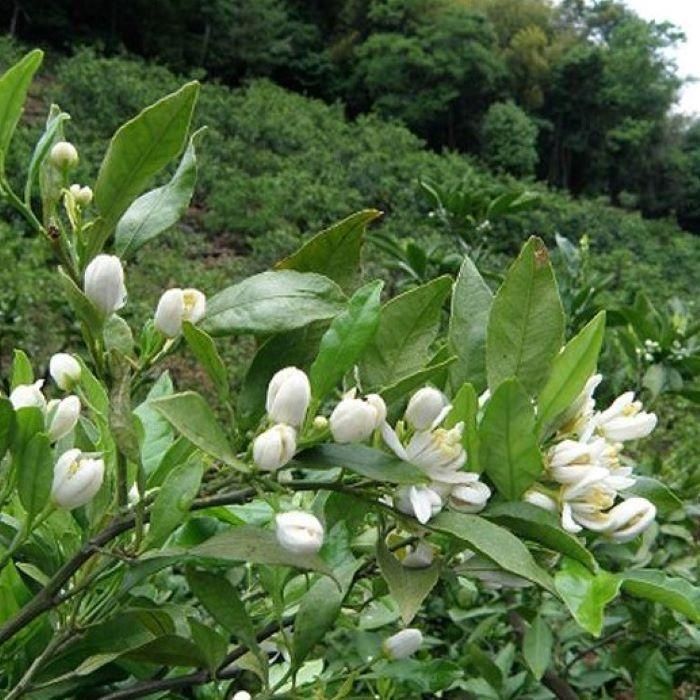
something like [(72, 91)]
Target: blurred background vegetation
[(470, 123)]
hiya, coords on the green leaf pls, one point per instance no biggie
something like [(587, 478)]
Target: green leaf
[(210, 643), (204, 349), (169, 650), (409, 587), (674, 593), (254, 545), (54, 126), (93, 390), (296, 348), (526, 324), (222, 601), (273, 302), (408, 325), (117, 336), (363, 460), (586, 594), (84, 309), (536, 524), (657, 492), (465, 407), (156, 211), (334, 252), (7, 425), (571, 369), (654, 680), (14, 85), (509, 451), (157, 434), (28, 422), (35, 474), (494, 543), (173, 502), (319, 609), (192, 417), (466, 335), (343, 343), (537, 647), (138, 151), (22, 372)]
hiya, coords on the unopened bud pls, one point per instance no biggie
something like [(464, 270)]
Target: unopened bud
[(64, 370), (403, 644), (299, 532), (64, 155), (426, 408), (275, 447), (76, 479), (177, 306), (81, 195), (104, 283), (288, 396), (63, 416)]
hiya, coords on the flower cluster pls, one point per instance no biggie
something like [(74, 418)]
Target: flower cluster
[(586, 469)]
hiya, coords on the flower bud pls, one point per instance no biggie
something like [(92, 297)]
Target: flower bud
[(403, 644), (288, 396), (625, 420), (470, 497), (63, 155), (76, 479), (104, 283), (419, 557), (64, 370), (426, 408), (541, 500), (28, 395), (421, 502), (63, 416), (275, 447), (320, 423), (354, 420), (175, 307), (242, 695), (630, 518), (81, 195), (299, 532)]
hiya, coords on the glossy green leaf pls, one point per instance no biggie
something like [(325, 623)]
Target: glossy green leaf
[(157, 434), (84, 309), (433, 372), (654, 679), (14, 84), (674, 593), (319, 609), (408, 325), (409, 587), (117, 336), (466, 335), (192, 417), (138, 151), (334, 252), (526, 323), (348, 335), (538, 525), (28, 422), (158, 210), (204, 349), (363, 460), (54, 127), (465, 407), (256, 546), (35, 474), (508, 448), (7, 425), (210, 643), (586, 594), (173, 502), (22, 372), (169, 650), (537, 647), (493, 542), (570, 371), (273, 302)]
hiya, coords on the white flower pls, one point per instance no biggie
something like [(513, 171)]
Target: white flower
[(63, 416), (76, 479), (81, 195), (570, 460), (288, 396), (439, 449), (176, 306), (104, 283), (419, 557), (299, 532), (625, 420), (275, 447), (585, 501), (354, 420), (426, 409), (64, 370), (63, 155), (541, 500), (470, 497), (28, 395), (421, 502), (629, 518), (242, 695), (403, 644), (577, 417)]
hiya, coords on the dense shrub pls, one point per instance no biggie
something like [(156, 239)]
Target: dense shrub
[(509, 138)]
